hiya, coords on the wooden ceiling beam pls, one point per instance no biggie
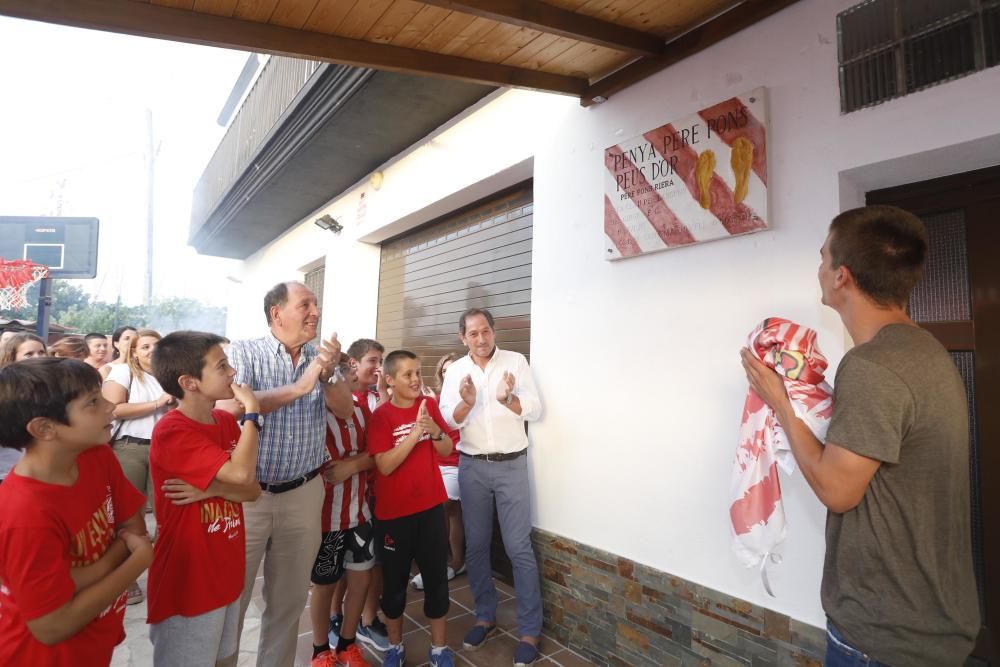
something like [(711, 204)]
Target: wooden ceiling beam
[(556, 21), (148, 20), (739, 16)]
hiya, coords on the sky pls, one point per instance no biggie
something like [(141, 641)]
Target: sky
[(73, 139)]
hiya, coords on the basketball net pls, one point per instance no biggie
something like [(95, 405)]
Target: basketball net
[(16, 277)]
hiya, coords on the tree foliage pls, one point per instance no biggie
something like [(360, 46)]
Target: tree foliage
[(72, 307)]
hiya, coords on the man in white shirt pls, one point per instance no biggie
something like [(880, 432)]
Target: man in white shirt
[(489, 394)]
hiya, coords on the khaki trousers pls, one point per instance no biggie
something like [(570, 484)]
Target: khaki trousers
[(284, 531), (134, 460)]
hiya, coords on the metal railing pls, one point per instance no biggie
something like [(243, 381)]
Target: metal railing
[(279, 84)]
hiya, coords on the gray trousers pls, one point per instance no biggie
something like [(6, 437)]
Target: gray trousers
[(506, 483), (197, 641)]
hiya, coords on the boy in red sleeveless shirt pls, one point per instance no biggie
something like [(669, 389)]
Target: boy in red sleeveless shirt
[(348, 533), (203, 469), (405, 437), (63, 569)]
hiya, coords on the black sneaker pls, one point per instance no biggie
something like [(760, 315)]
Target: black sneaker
[(333, 634), (375, 635)]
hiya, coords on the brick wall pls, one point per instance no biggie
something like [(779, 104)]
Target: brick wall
[(615, 611)]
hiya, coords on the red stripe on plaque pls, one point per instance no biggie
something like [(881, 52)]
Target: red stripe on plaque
[(616, 230), (736, 218), (728, 128), (668, 226)]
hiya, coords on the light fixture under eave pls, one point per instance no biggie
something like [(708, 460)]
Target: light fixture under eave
[(328, 222)]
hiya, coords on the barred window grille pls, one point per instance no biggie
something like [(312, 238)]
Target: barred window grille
[(314, 280), (890, 48)]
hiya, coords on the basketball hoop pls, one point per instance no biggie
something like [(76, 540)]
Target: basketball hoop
[(16, 277)]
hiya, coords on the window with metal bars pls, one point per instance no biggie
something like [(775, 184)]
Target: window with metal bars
[(314, 280), (890, 48)]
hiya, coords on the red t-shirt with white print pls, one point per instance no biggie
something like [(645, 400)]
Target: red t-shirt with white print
[(199, 557), (46, 529), (416, 484)]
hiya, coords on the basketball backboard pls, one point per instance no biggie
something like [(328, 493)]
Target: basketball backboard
[(68, 246)]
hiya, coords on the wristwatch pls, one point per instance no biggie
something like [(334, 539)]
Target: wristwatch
[(254, 418), (509, 400), (439, 437)]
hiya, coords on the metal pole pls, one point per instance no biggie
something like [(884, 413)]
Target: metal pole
[(150, 181), (44, 304)]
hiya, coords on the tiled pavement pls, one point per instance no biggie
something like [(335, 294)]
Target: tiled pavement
[(138, 652)]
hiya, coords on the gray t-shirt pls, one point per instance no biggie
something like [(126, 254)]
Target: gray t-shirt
[(898, 580)]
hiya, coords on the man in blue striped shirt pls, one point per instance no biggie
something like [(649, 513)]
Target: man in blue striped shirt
[(292, 380)]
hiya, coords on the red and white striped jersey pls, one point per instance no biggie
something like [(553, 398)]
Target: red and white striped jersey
[(346, 504)]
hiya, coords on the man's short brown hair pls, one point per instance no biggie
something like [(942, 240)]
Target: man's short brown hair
[(884, 247), (472, 312)]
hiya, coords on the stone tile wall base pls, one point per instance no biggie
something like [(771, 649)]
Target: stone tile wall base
[(617, 612)]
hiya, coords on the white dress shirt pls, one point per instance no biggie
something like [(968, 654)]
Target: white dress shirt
[(491, 427)]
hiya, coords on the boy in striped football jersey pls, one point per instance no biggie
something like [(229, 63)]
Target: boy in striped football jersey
[(347, 533)]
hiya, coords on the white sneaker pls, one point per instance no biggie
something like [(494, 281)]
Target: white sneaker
[(418, 581)]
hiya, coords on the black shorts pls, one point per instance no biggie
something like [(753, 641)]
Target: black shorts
[(350, 549), (420, 537)]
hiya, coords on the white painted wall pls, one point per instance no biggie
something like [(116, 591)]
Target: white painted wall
[(637, 360), (488, 148)]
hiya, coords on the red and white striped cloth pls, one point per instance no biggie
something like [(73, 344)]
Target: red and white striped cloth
[(756, 510), (345, 505)]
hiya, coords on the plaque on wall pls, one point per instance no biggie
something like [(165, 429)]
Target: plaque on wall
[(699, 178)]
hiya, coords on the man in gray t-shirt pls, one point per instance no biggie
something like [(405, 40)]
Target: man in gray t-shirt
[(898, 585)]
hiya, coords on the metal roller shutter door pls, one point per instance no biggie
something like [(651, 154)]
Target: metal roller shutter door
[(480, 257)]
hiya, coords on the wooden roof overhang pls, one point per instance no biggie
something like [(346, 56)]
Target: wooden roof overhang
[(590, 49)]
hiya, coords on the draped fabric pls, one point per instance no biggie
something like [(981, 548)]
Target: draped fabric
[(756, 510)]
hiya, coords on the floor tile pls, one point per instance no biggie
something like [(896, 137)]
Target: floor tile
[(507, 615), (457, 627), (136, 651), (505, 588), (414, 616), (418, 645), (496, 652)]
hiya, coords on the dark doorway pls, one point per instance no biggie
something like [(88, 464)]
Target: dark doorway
[(958, 300)]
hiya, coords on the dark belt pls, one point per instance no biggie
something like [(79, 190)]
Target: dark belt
[(282, 487), (133, 439), (498, 457)]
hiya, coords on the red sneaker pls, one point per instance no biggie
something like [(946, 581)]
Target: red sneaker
[(352, 657), (324, 659)]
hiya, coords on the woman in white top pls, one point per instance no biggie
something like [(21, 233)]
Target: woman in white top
[(121, 341), (139, 403)]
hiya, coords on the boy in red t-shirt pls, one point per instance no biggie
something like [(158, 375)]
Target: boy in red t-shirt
[(203, 468), (72, 533), (405, 437)]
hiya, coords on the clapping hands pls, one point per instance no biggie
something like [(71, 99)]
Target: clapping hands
[(328, 356), (322, 366), (467, 391), (506, 386), (425, 423)]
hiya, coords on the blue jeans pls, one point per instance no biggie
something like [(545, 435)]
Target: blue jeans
[(841, 654)]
